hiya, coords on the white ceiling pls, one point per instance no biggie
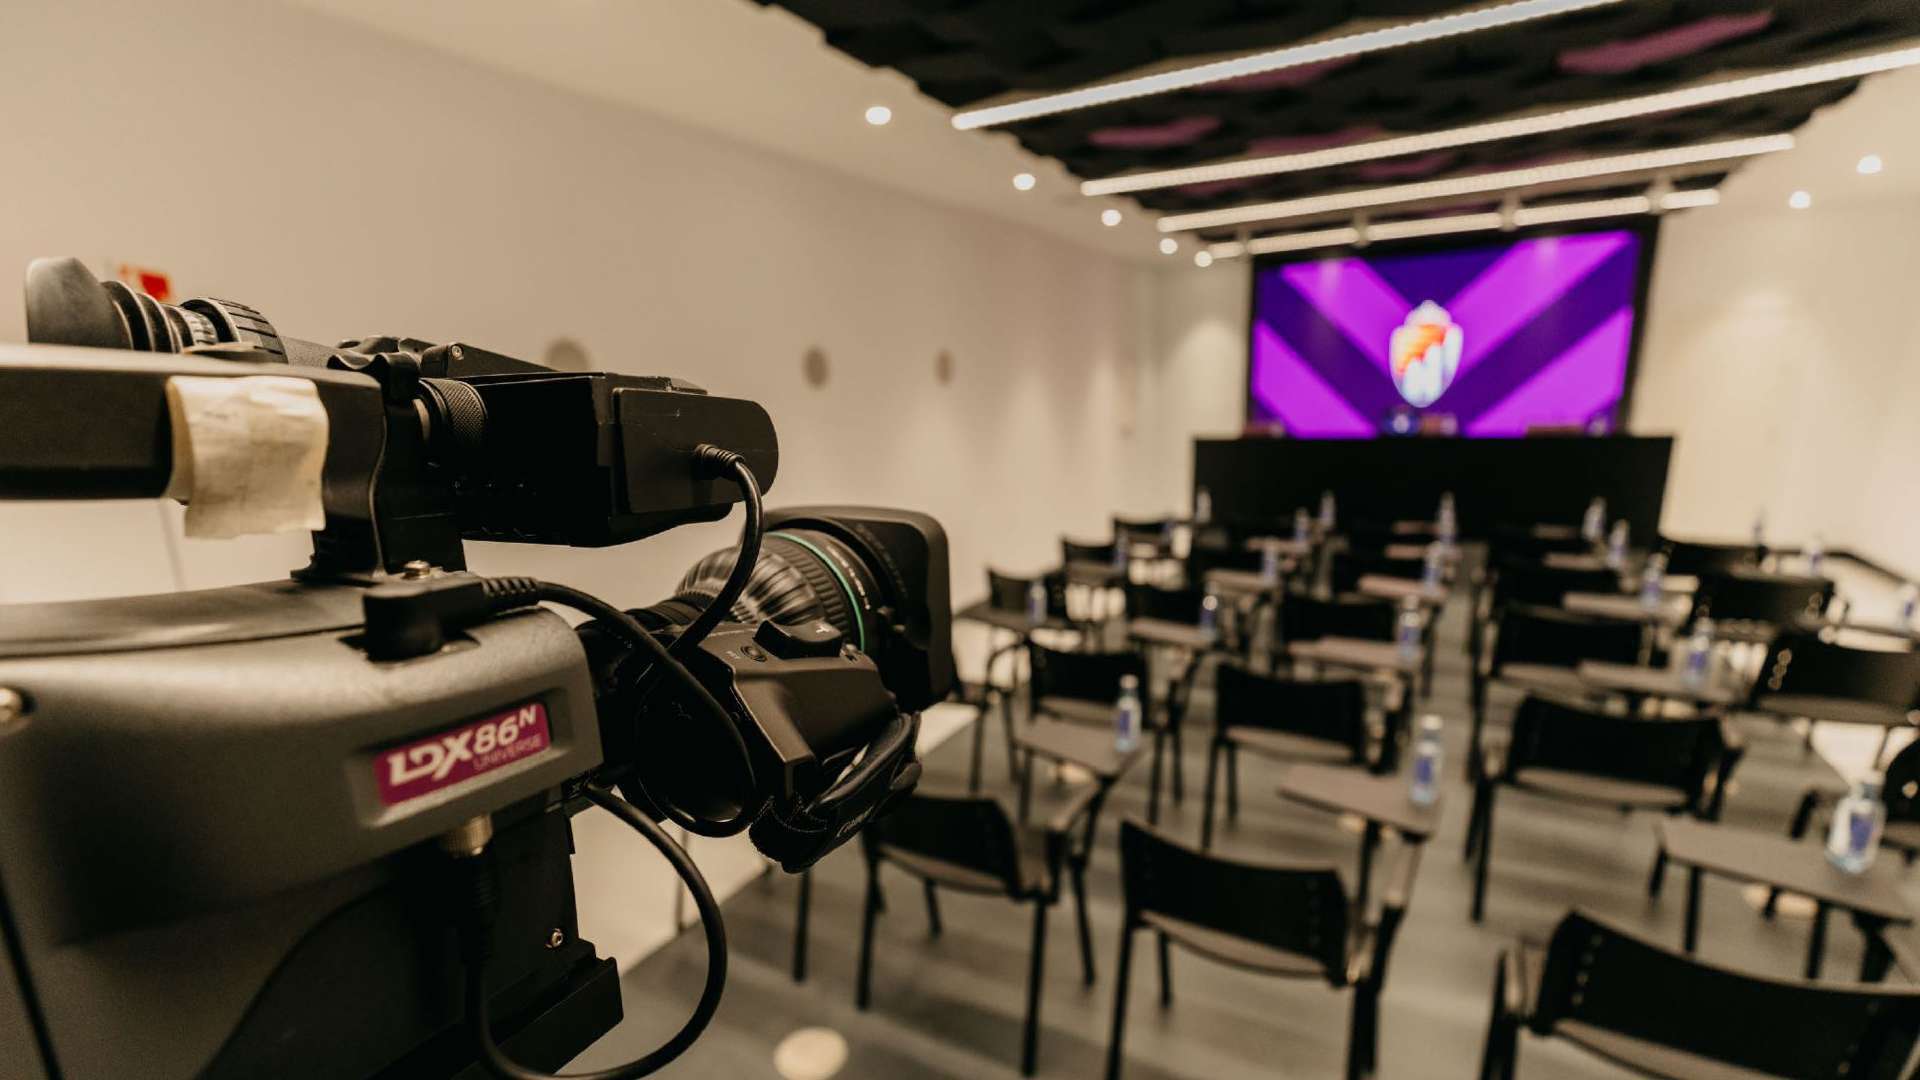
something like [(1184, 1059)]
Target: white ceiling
[(764, 76)]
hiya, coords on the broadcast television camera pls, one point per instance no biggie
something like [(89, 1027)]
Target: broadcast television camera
[(321, 827)]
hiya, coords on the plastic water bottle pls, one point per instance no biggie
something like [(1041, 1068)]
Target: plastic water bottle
[(1617, 546), (1270, 562), (1326, 512), (1909, 603), (1037, 602), (1699, 651), (1427, 754), (1210, 618), (1302, 525), (1120, 553), (1816, 555), (1854, 838), (1594, 525), (1202, 506), (1435, 564), (1445, 525), (1760, 528), (1126, 715), (1406, 635), (1652, 580)]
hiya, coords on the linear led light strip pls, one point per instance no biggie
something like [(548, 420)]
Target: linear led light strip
[(1392, 37), (1519, 127), (1646, 161), (1462, 223)]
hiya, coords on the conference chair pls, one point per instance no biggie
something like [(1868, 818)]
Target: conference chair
[(1309, 618), (1806, 676), (969, 844), (1528, 581), (1750, 604), (1083, 687), (1077, 557), (1583, 756), (1283, 719), (1348, 567), (1666, 1014), (1537, 649), (1899, 792), (1693, 558), (1279, 919), (1007, 594)]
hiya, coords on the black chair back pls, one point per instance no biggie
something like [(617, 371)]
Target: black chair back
[(1073, 551), (1169, 605), (1348, 567), (1332, 711), (1798, 662), (970, 832), (1141, 531), (1602, 976), (1675, 754), (1533, 543), (1532, 582), (1009, 593), (1085, 676), (1297, 909), (1751, 596), (1555, 638), (1202, 561), (1901, 792), (1306, 618), (1691, 558)]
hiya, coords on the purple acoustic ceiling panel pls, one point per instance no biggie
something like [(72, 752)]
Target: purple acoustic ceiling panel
[(1499, 337)]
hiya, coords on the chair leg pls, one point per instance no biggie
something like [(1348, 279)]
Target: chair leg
[(863, 992), (1659, 877), (1078, 876), (1485, 855), (1503, 1035), (1233, 783), (1153, 777), (1179, 767), (1362, 1032), (933, 910), (1206, 794), (1166, 973), (1121, 985), (1006, 723), (1473, 825), (800, 927), (979, 749), (1036, 973)]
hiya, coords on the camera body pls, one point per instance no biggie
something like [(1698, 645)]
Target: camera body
[(219, 810)]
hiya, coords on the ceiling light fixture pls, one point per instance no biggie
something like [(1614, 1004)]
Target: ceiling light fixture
[(878, 115), (1517, 127), (1339, 48), (1482, 183), (1023, 181), (1463, 223), (1169, 246), (1800, 200), (1870, 165), (1109, 217)]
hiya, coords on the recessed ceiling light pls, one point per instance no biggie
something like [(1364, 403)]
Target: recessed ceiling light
[(1109, 217), (1800, 200), (1203, 258), (1510, 180), (1870, 165), (1465, 22), (1517, 127), (1023, 181), (1168, 245), (878, 115)]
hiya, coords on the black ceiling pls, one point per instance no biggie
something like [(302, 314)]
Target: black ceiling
[(965, 52)]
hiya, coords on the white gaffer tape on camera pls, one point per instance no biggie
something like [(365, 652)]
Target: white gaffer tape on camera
[(247, 453)]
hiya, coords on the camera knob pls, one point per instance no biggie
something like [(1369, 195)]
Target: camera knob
[(815, 638)]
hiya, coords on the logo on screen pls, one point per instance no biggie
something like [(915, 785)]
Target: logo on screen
[(1426, 352)]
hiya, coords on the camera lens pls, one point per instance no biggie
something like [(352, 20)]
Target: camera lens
[(803, 574)]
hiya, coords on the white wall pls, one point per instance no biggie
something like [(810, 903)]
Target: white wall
[(348, 183)]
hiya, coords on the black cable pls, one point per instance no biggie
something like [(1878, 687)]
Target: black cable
[(716, 933), (743, 561), (518, 591)]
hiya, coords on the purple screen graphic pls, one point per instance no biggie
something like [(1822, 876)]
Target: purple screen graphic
[(1501, 337)]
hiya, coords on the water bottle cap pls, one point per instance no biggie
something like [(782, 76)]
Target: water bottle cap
[(1430, 723), (1129, 682), (1409, 603)]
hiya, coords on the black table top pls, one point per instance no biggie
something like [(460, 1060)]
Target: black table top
[(1094, 573), (1163, 632), (1794, 865), (1241, 582), (1834, 710), (1672, 610), (1718, 688), (1017, 621), (1356, 653), (1352, 790), (1091, 748), (1398, 588)]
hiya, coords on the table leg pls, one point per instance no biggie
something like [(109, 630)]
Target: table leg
[(1369, 843), (1690, 936), (1817, 944), (1877, 958), (1026, 784)]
